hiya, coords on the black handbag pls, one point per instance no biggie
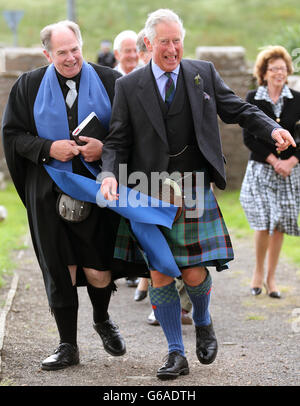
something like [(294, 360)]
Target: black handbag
[(297, 134)]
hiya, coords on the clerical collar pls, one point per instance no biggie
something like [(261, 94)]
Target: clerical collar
[(63, 79)]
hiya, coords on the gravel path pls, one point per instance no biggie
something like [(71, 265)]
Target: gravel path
[(258, 336)]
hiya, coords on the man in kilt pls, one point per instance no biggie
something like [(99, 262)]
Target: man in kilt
[(164, 118)]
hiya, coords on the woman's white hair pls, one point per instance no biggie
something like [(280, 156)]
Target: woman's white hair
[(47, 31), (127, 34), (158, 16)]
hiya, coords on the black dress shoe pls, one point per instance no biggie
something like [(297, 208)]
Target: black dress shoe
[(140, 295), (113, 342), (206, 344), (175, 365), (275, 294), (256, 291), (64, 356)]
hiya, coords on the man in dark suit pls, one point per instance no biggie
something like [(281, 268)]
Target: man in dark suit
[(41, 113), (164, 118)]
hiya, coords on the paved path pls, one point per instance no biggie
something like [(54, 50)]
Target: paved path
[(258, 337)]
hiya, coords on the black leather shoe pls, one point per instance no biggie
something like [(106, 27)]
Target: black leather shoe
[(275, 295), (140, 295), (175, 365), (64, 356), (113, 342), (256, 291), (206, 344)]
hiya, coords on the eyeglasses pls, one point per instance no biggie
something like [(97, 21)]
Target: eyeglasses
[(276, 70)]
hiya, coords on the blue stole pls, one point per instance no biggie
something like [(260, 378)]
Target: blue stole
[(50, 116)]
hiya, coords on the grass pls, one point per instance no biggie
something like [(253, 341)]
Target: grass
[(237, 223), (12, 229), (249, 23)]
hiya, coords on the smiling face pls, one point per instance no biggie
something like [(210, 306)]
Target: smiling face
[(167, 46), (277, 73), (128, 55), (65, 53)]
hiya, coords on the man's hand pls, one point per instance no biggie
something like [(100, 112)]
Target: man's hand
[(63, 150), (109, 188), (283, 139), (92, 150)]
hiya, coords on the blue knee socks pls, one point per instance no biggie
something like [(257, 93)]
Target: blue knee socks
[(200, 298), (167, 310)]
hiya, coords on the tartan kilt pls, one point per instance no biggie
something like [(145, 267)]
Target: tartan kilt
[(201, 240)]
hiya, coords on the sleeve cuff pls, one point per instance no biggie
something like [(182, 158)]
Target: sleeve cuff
[(44, 157)]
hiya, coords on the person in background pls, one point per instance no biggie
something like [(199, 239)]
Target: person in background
[(105, 56), (143, 53), (44, 107), (125, 52), (142, 287), (270, 192)]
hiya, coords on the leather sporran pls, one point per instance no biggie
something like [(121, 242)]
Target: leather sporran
[(170, 192), (71, 209)]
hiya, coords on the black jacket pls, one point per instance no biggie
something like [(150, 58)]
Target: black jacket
[(138, 137), (289, 115)]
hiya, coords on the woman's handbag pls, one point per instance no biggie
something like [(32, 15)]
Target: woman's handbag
[(297, 134)]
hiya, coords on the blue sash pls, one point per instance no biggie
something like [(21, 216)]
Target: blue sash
[(51, 122)]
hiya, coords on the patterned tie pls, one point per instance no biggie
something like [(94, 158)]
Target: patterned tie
[(72, 93), (169, 89)]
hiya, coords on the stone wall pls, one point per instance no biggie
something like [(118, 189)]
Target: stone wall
[(21, 59), (231, 64), (229, 61)]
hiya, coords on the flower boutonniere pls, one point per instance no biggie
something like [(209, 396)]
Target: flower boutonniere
[(197, 79)]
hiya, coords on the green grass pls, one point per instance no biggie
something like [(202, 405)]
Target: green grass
[(12, 229), (237, 223), (249, 23)]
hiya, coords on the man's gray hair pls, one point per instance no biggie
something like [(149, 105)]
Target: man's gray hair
[(158, 16), (140, 44), (127, 34), (47, 31)]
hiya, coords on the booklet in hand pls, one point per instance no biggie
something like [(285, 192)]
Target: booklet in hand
[(89, 127)]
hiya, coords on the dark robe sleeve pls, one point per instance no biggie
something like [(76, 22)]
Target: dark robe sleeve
[(20, 140)]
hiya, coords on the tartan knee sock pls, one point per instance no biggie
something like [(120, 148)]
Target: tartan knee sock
[(167, 309), (200, 298)]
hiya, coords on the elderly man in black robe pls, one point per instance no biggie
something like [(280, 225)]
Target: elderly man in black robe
[(42, 111)]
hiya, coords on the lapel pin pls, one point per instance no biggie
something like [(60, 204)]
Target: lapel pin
[(197, 79)]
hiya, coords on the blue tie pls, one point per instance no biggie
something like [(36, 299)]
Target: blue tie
[(169, 89)]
